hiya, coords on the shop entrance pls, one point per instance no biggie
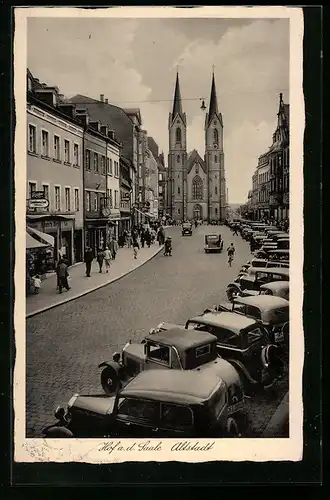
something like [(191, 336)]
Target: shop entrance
[(67, 246), (78, 251)]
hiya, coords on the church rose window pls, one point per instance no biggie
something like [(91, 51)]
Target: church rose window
[(197, 188), (178, 134)]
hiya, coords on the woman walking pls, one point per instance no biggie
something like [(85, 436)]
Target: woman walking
[(100, 258), (107, 259), (136, 245)]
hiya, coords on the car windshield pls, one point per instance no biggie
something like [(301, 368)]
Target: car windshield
[(159, 353), (139, 409), (177, 416), (226, 337)]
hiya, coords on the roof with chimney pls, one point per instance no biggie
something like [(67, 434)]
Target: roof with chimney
[(177, 103), (213, 108), (194, 157), (112, 116)]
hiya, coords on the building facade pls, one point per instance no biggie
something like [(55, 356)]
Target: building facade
[(162, 187), (204, 195), (55, 168)]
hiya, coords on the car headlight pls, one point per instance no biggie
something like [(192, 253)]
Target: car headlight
[(72, 400), (160, 326)]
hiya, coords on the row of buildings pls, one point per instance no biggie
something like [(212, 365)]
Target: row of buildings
[(269, 197), (92, 170)]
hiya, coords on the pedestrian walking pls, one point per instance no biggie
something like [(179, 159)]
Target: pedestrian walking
[(113, 247), (63, 274), (142, 238), (88, 261), (136, 245), (100, 259), (36, 281), (148, 238), (107, 259)]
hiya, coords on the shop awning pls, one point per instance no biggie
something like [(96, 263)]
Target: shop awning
[(44, 238), (48, 216), (32, 243)]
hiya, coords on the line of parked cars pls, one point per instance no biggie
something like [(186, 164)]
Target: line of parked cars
[(192, 379)]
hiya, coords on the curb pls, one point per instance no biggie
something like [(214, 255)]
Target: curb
[(90, 290), (279, 419)]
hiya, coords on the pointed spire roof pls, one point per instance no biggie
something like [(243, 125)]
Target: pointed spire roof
[(177, 104), (213, 99)]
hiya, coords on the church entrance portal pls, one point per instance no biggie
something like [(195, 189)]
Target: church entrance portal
[(198, 212)]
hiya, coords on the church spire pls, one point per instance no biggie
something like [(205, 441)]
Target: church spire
[(213, 110), (177, 105)]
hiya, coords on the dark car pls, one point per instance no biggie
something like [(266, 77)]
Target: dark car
[(173, 349), (187, 228), (244, 342), (249, 284), (213, 243), (159, 403)]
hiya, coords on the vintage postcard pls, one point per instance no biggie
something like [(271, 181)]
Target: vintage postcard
[(158, 198)]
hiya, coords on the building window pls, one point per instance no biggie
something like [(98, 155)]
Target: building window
[(178, 158), (76, 200), (57, 199), (116, 169), (96, 162), (67, 200), (179, 190), (110, 199), (216, 211), (66, 151), (45, 188), (88, 201), (178, 135), (215, 159), (110, 166), (215, 136), (102, 165), (197, 168), (197, 188), (95, 206), (116, 198), (160, 177), (215, 190), (32, 188), (88, 159), (178, 211), (57, 154), (45, 143), (32, 139), (76, 155)]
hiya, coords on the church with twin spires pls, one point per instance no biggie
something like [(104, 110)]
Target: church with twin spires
[(196, 185)]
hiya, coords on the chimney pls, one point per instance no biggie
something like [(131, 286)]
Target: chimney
[(96, 126), (102, 97), (83, 116), (47, 95), (68, 108), (107, 101), (104, 130)]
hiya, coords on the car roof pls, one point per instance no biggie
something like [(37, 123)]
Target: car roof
[(275, 285), (213, 234), (224, 319), (263, 302), (181, 339), (187, 387), (276, 270)]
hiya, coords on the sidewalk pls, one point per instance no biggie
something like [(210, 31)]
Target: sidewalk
[(279, 422), (49, 297)]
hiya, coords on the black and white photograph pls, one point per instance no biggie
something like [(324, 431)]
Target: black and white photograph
[(159, 187)]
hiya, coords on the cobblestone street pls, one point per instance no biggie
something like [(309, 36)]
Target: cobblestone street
[(66, 344)]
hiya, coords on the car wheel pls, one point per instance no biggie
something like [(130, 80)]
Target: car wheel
[(231, 292), (109, 380), (232, 428)]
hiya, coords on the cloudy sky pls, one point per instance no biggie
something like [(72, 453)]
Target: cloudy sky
[(133, 62)]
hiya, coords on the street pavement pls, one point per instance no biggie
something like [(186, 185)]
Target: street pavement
[(65, 344)]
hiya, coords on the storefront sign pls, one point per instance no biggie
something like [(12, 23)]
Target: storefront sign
[(37, 195), (38, 203)]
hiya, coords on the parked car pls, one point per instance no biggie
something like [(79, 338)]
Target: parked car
[(277, 289), (252, 266), (159, 403), (272, 311), (243, 342), (249, 284), (186, 228), (213, 243), (173, 350)]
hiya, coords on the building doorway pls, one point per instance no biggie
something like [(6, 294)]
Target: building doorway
[(198, 212)]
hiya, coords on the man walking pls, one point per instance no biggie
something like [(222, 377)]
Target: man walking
[(100, 259), (230, 252), (88, 261), (113, 247), (62, 273)]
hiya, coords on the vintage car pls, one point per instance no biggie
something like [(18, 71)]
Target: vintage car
[(186, 228), (277, 289), (252, 266), (283, 244), (272, 311), (173, 350), (274, 254), (159, 403), (213, 243), (249, 284), (243, 342)]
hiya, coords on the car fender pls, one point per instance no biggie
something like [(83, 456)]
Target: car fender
[(234, 285), (267, 354), (241, 369), (111, 364)]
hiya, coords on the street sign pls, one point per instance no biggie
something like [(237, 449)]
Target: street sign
[(37, 195), (38, 203)]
